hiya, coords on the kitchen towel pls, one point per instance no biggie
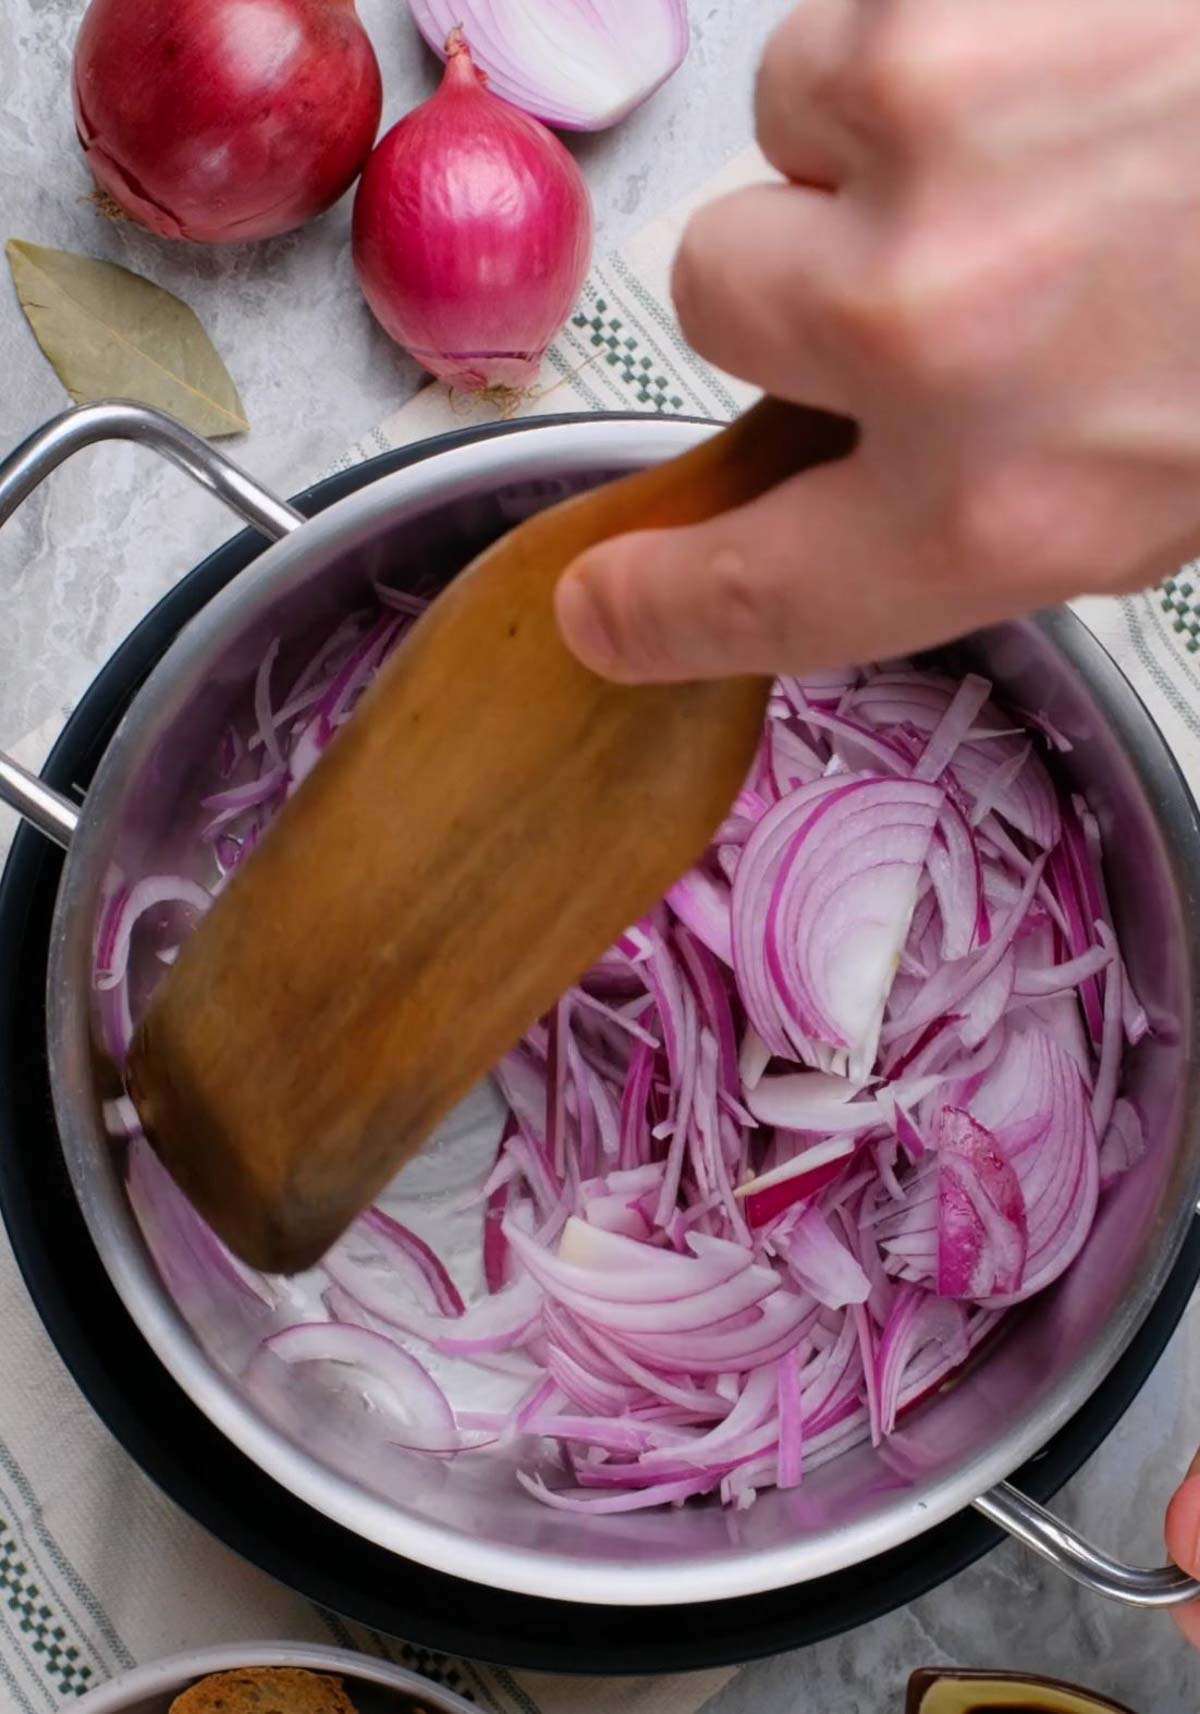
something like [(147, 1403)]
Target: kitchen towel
[(99, 1571)]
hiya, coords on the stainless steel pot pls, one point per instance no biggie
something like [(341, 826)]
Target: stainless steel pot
[(417, 527)]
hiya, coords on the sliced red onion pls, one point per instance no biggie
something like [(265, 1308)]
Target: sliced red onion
[(953, 727), (804, 1164), (773, 1193), (821, 1263), (992, 789), (586, 1291), (981, 1010), (908, 1134), (789, 1410), (501, 1322), (1035, 1105), (1029, 803), (126, 910), (1062, 978), (635, 1500), (1108, 1071), (817, 689), (262, 705), (496, 1271), (917, 1319), (788, 760), (773, 1327), (419, 1416), (726, 1235), (399, 1241), (1124, 1143), (1076, 887), (813, 1101), (982, 1232), (754, 1408), (192, 1260), (956, 872), (234, 801), (703, 904), (857, 746), (955, 982), (828, 894)]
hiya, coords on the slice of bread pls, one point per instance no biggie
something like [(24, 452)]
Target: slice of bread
[(265, 1690)]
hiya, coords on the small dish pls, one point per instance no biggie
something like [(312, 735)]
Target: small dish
[(375, 1686), (934, 1691)]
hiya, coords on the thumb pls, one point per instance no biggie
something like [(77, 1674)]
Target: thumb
[(807, 576), (703, 601), (1183, 1543)]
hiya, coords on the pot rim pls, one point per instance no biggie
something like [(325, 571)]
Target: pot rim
[(519, 452)]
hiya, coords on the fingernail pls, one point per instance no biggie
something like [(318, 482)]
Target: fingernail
[(582, 623)]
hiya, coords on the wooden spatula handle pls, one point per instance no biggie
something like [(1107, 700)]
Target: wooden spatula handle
[(768, 443), (764, 446), (490, 820)]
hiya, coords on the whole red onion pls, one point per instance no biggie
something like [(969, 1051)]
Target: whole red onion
[(223, 120), (472, 233)]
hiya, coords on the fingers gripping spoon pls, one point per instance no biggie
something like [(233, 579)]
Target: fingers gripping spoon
[(450, 867)]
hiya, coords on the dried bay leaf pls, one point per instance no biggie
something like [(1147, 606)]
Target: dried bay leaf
[(110, 334)]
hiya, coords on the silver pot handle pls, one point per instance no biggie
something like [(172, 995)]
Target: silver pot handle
[(119, 419), (1134, 1585)]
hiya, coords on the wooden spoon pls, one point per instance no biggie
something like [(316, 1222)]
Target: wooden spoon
[(487, 824)]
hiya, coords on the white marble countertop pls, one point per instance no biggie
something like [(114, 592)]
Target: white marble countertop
[(88, 556)]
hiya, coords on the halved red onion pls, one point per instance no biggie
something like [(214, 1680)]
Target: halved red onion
[(571, 63)]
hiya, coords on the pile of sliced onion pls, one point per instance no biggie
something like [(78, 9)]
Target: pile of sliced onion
[(778, 1164)]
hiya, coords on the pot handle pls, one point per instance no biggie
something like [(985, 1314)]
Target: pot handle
[(26, 468), (1039, 1529)]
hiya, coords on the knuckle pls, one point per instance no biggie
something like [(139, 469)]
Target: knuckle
[(880, 322), (891, 318), (797, 70), (747, 612), (932, 308), (985, 530), (1014, 527), (782, 65), (896, 85), (697, 261)]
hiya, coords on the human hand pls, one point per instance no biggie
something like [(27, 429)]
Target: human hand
[(1183, 1544), (988, 254)]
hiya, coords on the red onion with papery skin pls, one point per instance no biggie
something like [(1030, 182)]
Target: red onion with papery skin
[(472, 233), (225, 120)]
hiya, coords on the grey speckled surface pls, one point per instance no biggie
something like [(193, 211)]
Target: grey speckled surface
[(89, 555)]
